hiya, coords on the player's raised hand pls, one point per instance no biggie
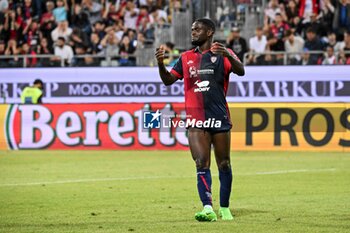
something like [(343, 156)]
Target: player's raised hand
[(160, 54), (220, 49)]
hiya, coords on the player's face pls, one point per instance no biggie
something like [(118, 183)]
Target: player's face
[(199, 34)]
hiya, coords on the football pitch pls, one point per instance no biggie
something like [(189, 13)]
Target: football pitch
[(155, 191)]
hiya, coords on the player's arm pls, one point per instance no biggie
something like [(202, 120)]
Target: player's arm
[(167, 77), (236, 64)]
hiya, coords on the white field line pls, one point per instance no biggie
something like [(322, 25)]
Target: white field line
[(162, 177)]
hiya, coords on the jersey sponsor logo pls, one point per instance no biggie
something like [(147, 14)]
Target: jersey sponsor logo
[(202, 86), (213, 59), (194, 72), (189, 62), (205, 71)]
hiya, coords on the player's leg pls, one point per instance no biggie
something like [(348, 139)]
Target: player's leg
[(221, 143), (200, 145)]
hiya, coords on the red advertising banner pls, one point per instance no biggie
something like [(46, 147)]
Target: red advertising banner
[(90, 126), (162, 126)]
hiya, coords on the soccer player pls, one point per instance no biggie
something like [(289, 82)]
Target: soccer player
[(205, 71)]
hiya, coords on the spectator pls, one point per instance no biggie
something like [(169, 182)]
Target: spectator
[(279, 27), (3, 62), (4, 5), (313, 43), (94, 10), (60, 12), (131, 15), (291, 11), (110, 44), (29, 10), (329, 57), (29, 50), (226, 19), (346, 48), (62, 30), (125, 50), (158, 16), (341, 20), (143, 18), (294, 44), (170, 52), (308, 8), (80, 19), (3, 33), (316, 24), (44, 49), (12, 26), (99, 28), (31, 31), (12, 49), (275, 41), (342, 59), (257, 44), (95, 46), (63, 51), (112, 13), (327, 13), (237, 43), (270, 12), (306, 58), (79, 51), (332, 41), (47, 22), (119, 29), (89, 62), (78, 38)]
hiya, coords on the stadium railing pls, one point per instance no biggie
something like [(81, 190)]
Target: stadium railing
[(32, 61), (143, 57), (286, 58)]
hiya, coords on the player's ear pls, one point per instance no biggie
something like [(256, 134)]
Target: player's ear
[(210, 33)]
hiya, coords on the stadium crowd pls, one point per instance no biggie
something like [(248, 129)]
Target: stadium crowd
[(309, 32), (67, 28)]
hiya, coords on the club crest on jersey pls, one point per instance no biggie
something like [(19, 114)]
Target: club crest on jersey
[(193, 72), (213, 59)]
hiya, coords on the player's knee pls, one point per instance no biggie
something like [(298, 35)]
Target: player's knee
[(224, 165), (202, 163)]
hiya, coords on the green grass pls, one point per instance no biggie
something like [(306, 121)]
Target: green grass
[(156, 192)]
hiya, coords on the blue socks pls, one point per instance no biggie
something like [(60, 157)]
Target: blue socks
[(225, 178), (204, 186)]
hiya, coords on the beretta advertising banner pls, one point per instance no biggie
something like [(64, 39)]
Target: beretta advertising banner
[(137, 126)]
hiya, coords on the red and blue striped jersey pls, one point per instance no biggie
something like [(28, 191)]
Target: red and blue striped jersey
[(206, 79)]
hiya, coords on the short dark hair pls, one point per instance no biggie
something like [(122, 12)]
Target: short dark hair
[(279, 14), (311, 29), (61, 38), (38, 81), (207, 22), (289, 32)]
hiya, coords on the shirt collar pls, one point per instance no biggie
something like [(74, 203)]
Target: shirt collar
[(197, 50)]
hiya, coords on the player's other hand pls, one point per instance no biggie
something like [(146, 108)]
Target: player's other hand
[(220, 49), (160, 54)]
